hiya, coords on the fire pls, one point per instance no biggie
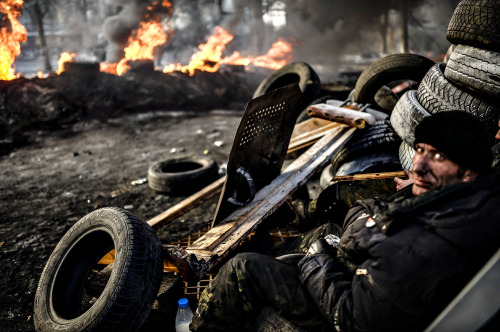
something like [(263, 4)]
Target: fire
[(65, 57), (209, 57), (12, 33), (142, 44), (278, 55)]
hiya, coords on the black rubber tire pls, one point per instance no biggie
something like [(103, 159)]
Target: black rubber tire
[(391, 68), (475, 69), (449, 52), (406, 115), (326, 177), (385, 161), (437, 94), (131, 289), (476, 23), (406, 154), (371, 140), (295, 72), (182, 175)]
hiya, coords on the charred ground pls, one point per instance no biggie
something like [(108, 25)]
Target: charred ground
[(66, 173)]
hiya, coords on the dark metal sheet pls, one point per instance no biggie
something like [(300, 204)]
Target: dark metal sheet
[(259, 148)]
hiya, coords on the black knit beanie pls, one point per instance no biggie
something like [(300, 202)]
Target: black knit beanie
[(460, 136)]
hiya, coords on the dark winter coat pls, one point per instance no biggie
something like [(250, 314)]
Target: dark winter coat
[(402, 260)]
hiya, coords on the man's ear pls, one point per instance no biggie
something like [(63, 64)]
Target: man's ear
[(470, 176)]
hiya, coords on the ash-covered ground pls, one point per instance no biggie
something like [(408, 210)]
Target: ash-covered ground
[(66, 173)]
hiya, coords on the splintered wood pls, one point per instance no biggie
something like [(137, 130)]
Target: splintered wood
[(221, 240)]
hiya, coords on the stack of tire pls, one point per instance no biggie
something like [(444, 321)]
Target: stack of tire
[(469, 80), (376, 148)]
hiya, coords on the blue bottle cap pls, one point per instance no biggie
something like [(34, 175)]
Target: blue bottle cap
[(183, 303)]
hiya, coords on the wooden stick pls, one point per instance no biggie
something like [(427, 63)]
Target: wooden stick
[(341, 115), (187, 204), (368, 176)]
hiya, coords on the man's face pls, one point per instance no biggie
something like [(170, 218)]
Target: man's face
[(433, 170)]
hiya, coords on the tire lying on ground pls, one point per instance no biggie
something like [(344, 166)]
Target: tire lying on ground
[(295, 72), (182, 175), (61, 302), (374, 139), (476, 23), (391, 68), (406, 115), (475, 69), (437, 94)]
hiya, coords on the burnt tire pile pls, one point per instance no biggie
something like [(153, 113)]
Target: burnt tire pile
[(469, 81)]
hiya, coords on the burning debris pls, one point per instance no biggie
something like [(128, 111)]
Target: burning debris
[(12, 34)]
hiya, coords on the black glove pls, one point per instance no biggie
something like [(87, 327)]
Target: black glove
[(327, 245)]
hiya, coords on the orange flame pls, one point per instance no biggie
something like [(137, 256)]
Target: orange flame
[(209, 57), (142, 44), (12, 33), (65, 57), (278, 55)]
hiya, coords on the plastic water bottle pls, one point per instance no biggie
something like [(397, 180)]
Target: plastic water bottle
[(184, 316)]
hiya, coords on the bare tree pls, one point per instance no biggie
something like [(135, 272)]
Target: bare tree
[(38, 11)]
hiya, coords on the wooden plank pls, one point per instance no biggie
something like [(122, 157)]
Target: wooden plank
[(207, 239), (187, 204), (246, 219), (307, 126), (315, 129), (305, 133)]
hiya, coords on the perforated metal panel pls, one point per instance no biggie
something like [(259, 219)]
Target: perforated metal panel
[(259, 147)]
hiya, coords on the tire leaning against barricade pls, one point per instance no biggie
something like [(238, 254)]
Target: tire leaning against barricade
[(373, 139), (391, 68), (437, 94), (476, 23), (475, 69), (406, 115), (131, 289), (182, 175), (295, 72)]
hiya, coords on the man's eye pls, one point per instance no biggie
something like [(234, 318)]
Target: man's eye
[(419, 149), (439, 156)]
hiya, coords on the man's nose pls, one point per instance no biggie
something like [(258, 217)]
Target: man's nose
[(419, 163)]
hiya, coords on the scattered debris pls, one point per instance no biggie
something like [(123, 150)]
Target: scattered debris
[(128, 207), (139, 181), (219, 143)]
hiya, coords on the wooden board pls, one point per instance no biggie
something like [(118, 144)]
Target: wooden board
[(221, 240)]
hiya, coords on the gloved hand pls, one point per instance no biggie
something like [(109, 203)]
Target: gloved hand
[(327, 245)]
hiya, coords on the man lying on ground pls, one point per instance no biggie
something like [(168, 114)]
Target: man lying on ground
[(400, 260)]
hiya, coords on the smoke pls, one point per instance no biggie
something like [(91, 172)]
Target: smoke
[(126, 16)]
